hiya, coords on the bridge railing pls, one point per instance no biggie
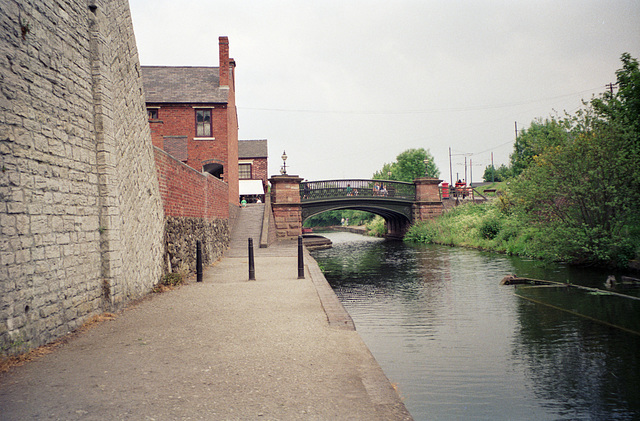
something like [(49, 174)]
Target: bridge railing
[(380, 189)]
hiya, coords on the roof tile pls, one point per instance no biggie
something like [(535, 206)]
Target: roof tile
[(163, 84)]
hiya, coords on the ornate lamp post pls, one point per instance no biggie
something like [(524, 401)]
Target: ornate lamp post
[(283, 169)]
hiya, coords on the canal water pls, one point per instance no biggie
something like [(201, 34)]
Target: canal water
[(458, 345)]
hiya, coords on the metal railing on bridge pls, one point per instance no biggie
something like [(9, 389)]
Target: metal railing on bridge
[(379, 189)]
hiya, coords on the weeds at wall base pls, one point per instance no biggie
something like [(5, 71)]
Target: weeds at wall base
[(169, 282), (6, 363)]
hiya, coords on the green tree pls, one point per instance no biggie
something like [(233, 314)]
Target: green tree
[(408, 166), (496, 174), (583, 186), (540, 135)]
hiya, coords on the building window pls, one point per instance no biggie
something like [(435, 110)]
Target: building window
[(203, 123), (153, 113), (244, 171)]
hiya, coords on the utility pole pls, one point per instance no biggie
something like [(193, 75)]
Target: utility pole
[(470, 172), (610, 86), (465, 169), (450, 168)]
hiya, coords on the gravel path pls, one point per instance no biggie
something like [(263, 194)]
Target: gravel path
[(223, 349)]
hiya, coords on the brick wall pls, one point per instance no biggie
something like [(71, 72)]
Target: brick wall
[(196, 208), (260, 170), (189, 193), (179, 120), (81, 215)]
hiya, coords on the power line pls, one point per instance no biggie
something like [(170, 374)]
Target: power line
[(495, 147), (428, 111)]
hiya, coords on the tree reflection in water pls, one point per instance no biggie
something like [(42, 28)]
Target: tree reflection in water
[(459, 345)]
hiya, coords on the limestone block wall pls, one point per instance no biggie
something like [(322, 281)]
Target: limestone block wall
[(81, 218)]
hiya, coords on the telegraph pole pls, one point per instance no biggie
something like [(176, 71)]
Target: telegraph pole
[(450, 168), (610, 86), (465, 169)]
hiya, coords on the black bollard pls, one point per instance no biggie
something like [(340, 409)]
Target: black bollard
[(252, 269), (198, 261), (300, 259)]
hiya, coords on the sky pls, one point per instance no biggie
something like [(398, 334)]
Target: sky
[(344, 86)]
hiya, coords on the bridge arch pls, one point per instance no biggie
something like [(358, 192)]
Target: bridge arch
[(391, 200), (399, 203)]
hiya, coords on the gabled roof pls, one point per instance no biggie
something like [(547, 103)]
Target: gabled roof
[(252, 148), (164, 84)]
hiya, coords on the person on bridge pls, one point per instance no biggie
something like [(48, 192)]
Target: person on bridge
[(306, 191), (349, 191)]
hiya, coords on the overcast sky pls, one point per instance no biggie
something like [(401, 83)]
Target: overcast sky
[(346, 85)]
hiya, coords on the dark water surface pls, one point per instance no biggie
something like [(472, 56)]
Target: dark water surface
[(460, 346)]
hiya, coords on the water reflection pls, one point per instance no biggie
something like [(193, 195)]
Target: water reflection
[(460, 346), (577, 365)]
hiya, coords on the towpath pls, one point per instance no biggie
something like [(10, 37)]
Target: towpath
[(277, 348)]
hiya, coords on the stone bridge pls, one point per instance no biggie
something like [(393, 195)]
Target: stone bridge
[(399, 203)]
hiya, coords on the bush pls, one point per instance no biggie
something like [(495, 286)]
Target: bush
[(490, 228), (376, 227), (170, 281), (422, 232)]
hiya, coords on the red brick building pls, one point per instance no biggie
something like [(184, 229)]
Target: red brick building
[(253, 168), (192, 115)]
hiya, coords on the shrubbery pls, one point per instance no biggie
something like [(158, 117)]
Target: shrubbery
[(575, 191), (376, 227), (486, 226)]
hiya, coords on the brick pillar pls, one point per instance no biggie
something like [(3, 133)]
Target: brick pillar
[(428, 202), (285, 203)]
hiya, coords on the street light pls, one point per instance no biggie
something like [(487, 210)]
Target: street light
[(283, 169), (426, 167)]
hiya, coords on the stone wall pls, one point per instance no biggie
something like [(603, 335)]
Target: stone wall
[(285, 204), (81, 216), (428, 204), (181, 235)]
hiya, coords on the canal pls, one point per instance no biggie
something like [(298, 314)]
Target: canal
[(460, 346)]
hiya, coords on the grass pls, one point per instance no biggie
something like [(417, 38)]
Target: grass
[(169, 282), (493, 226), (478, 225)]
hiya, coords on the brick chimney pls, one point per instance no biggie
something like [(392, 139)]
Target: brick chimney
[(224, 61)]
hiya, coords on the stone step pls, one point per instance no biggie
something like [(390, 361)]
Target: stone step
[(248, 225)]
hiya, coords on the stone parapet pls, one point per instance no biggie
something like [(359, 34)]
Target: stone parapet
[(285, 203), (288, 221), (428, 204)]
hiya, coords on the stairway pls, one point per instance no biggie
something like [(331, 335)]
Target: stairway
[(248, 225)]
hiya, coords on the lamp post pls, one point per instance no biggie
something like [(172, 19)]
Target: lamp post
[(426, 167), (283, 169)]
